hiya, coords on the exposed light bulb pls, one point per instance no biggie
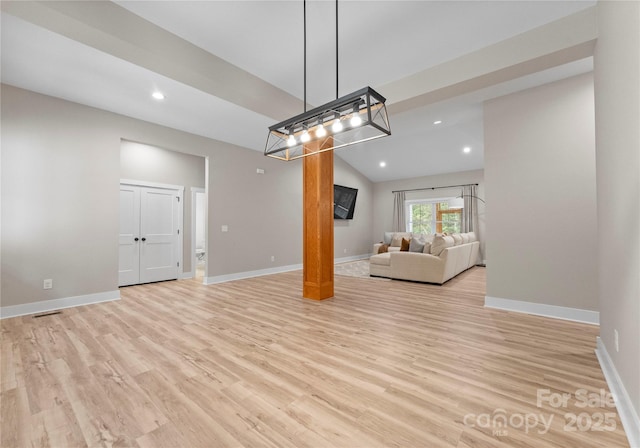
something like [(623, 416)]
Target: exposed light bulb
[(291, 141), (305, 137), (336, 126), (356, 120), (158, 95), (466, 150), (383, 164), (321, 131)]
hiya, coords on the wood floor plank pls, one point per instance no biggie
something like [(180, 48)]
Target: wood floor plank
[(166, 436), (250, 363), (10, 419), (276, 423), (197, 428), (9, 365), (56, 427), (127, 397), (230, 414), (100, 420), (323, 419), (123, 352), (394, 430)]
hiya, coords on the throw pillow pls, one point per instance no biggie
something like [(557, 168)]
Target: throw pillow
[(440, 243), (416, 245), (388, 236), (457, 239), (383, 248), (397, 238), (427, 248), (404, 246), (465, 238), (472, 237)]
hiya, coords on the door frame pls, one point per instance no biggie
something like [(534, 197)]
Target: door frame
[(180, 193), (194, 191)]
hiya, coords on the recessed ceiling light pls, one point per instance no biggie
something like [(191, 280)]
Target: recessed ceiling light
[(437, 122), (383, 164), (466, 149), (158, 95)]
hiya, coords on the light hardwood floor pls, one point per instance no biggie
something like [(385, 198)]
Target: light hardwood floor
[(251, 363)]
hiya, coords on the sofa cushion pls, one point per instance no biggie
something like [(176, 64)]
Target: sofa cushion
[(457, 239), (388, 236), (404, 246), (381, 259), (440, 243), (465, 238), (472, 237), (416, 245)]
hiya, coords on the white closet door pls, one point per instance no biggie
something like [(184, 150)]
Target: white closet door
[(149, 237), (158, 234), (129, 250)]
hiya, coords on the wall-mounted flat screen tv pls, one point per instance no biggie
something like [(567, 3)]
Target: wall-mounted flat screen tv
[(344, 202)]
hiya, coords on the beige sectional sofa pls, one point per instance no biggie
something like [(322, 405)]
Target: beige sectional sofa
[(442, 258)]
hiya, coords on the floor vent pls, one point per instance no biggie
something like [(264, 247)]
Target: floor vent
[(47, 314)]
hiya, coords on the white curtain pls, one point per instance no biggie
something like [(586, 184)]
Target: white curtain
[(470, 210), (399, 218)]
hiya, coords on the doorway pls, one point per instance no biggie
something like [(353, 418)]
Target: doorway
[(198, 232), (149, 165)]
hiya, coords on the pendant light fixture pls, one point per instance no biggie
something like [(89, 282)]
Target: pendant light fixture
[(354, 118)]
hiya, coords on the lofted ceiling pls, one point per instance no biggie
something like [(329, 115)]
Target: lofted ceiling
[(230, 69)]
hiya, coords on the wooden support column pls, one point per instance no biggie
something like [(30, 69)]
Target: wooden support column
[(317, 256)]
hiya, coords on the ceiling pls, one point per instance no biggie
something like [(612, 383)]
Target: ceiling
[(250, 75)]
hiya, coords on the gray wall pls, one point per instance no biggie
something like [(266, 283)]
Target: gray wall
[(152, 164), (263, 212), (353, 235), (383, 197), (60, 181), (541, 195), (617, 100)]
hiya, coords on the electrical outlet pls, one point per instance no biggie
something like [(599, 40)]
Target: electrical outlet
[(225, 228), (345, 251), (273, 258), (616, 340), (47, 284)]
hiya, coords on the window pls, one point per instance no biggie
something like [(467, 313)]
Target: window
[(448, 220), (433, 216)]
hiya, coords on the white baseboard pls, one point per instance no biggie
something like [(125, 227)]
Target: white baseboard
[(541, 309), (250, 274), (185, 275), (352, 258), (628, 415), (277, 270), (57, 304)]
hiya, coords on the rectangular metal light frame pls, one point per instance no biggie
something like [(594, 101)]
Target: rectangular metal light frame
[(370, 105)]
